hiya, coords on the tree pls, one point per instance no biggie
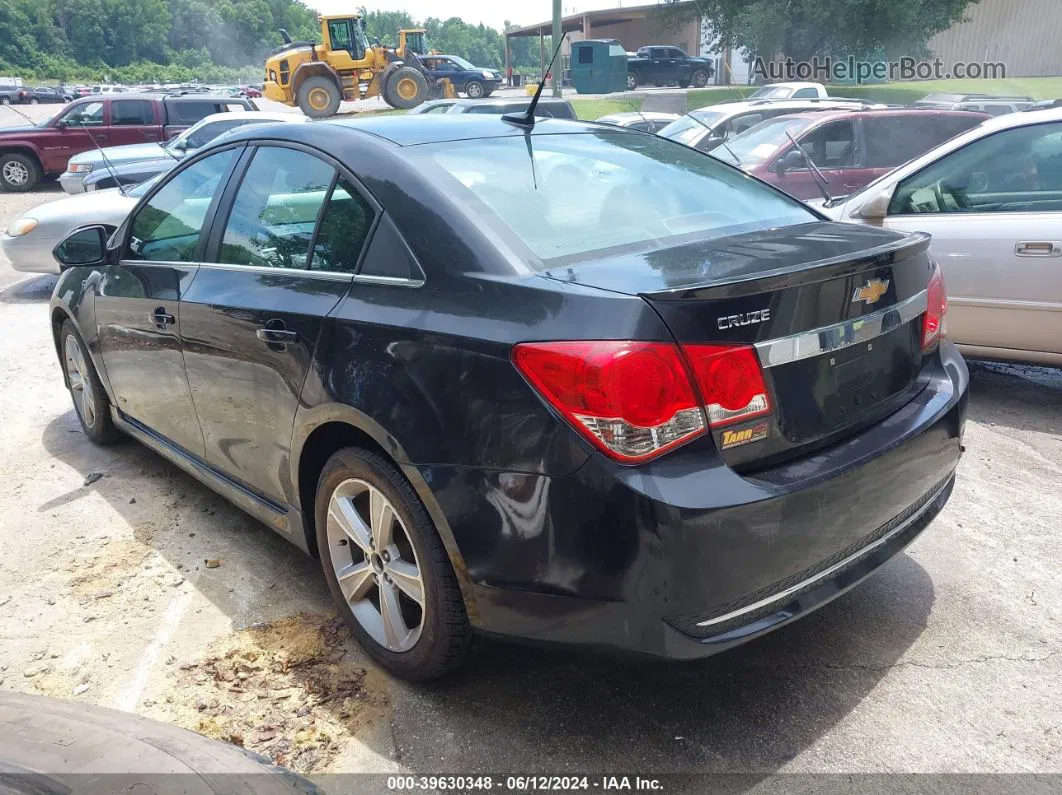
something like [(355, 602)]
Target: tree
[(801, 29)]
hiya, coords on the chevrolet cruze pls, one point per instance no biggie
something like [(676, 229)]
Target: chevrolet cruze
[(546, 380)]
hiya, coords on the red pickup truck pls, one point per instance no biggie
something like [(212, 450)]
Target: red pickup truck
[(28, 154)]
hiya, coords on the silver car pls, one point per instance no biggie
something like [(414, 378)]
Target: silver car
[(29, 241), (163, 156), (992, 200)]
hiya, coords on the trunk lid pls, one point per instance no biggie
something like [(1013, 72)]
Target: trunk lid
[(834, 312)]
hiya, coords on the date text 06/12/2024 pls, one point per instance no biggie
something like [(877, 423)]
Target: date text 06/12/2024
[(525, 783)]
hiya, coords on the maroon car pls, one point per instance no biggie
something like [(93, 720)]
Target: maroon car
[(850, 148), (28, 154)]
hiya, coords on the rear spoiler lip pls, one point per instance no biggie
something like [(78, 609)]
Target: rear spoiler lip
[(911, 245)]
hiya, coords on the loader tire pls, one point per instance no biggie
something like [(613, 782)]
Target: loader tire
[(319, 97)]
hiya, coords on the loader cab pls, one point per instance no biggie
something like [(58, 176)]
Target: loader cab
[(345, 33), (413, 40)]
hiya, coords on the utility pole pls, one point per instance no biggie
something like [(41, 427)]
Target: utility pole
[(558, 67)]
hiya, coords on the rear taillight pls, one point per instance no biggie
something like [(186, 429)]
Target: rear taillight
[(934, 321), (636, 400), (731, 382), (633, 400)]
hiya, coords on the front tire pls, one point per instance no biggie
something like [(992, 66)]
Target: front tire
[(5, 100), (19, 173), (406, 88), (387, 569), (632, 81), (699, 78), (474, 90), (35, 101), (91, 404), (319, 97)]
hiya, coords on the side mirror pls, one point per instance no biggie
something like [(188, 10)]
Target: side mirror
[(876, 207), (84, 246), (792, 159)]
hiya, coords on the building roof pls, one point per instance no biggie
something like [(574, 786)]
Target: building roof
[(608, 16)]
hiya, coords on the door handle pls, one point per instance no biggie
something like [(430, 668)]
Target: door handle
[(161, 318), (1038, 248), (277, 336)]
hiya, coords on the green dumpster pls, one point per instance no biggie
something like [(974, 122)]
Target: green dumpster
[(599, 66)]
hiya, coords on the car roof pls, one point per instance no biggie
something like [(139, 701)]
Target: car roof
[(416, 130), (151, 95), (467, 103), (742, 106), (632, 116), (842, 113), (792, 85), (264, 115)]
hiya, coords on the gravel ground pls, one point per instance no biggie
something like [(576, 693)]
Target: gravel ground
[(143, 590)]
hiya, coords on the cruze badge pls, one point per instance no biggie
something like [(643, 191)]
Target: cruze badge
[(871, 291), (746, 319)]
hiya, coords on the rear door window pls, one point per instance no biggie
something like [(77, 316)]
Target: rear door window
[(891, 141), (132, 112), (345, 226), (276, 209), (189, 112)]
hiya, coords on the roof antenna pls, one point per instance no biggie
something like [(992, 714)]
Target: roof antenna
[(527, 118)]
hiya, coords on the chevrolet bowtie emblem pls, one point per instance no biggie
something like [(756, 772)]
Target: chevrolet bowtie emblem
[(871, 291)]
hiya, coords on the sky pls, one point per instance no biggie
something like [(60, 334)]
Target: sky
[(489, 12)]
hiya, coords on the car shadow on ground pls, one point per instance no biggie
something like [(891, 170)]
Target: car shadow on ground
[(749, 710), (1018, 396), (35, 289), (514, 707)]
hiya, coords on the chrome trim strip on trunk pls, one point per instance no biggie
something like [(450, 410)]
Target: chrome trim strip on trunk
[(824, 575), (806, 344)]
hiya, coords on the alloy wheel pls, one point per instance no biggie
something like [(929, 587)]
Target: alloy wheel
[(80, 382), (15, 173), (375, 565), (632, 83), (474, 90)]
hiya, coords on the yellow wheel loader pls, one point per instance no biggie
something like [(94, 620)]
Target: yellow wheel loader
[(347, 66)]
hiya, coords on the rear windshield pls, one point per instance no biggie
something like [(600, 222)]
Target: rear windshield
[(567, 198), (690, 127)]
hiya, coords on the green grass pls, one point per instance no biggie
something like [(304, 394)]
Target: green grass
[(905, 93), (590, 109)]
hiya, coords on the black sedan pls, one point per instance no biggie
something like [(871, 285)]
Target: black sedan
[(496, 389), (44, 94)]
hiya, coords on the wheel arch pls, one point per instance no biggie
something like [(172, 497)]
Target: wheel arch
[(326, 429), (310, 69), (23, 148)]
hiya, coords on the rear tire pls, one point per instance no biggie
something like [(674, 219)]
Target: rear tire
[(383, 567), (19, 173), (475, 90), (406, 88), (91, 404), (319, 97), (632, 81)]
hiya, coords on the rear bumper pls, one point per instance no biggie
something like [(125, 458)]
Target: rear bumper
[(681, 559)]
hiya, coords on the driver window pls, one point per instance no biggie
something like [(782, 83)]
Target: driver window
[(87, 115), (276, 209), (831, 145), (166, 229), (1016, 170)]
